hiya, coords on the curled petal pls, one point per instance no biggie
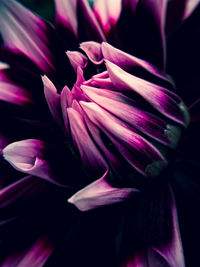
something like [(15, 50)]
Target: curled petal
[(78, 18), (122, 107), (107, 13), (77, 59), (98, 194), (28, 156), (23, 32), (89, 153), (93, 51), (136, 150), (163, 100)]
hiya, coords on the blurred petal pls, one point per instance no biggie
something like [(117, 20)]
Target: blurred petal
[(107, 13), (140, 30), (173, 251), (189, 7), (35, 256), (28, 156), (23, 32), (163, 100), (98, 194), (167, 254), (123, 108), (78, 18), (12, 93), (136, 150), (27, 186), (177, 11)]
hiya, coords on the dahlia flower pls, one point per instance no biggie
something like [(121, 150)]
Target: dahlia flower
[(99, 134)]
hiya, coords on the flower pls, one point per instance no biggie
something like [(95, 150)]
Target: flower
[(92, 119)]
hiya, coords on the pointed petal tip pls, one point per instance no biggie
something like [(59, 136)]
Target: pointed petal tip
[(77, 59), (98, 194), (4, 65)]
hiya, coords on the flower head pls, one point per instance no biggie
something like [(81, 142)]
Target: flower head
[(92, 117)]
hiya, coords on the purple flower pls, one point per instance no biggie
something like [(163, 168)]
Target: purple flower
[(92, 119)]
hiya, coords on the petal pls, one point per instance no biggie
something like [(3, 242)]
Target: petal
[(28, 186), (173, 251), (98, 194), (23, 32), (93, 51), (160, 98), (28, 156), (178, 11), (122, 107), (140, 30), (11, 92), (107, 12), (77, 59), (189, 7), (35, 256), (136, 150), (52, 98), (78, 18), (128, 62), (89, 153), (66, 99), (167, 254)]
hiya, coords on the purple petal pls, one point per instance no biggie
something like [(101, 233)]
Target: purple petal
[(173, 251), (77, 59), (35, 256), (122, 107), (23, 32), (52, 98), (189, 7), (142, 33), (177, 11), (28, 156), (165, 255), (93, 51), (89, 153), (160, 98), (107, 12), (136, 150), (98, 194), (128, 62), (66, 101), (4, 66), (78, 18), (28, 186), (12, 93)]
